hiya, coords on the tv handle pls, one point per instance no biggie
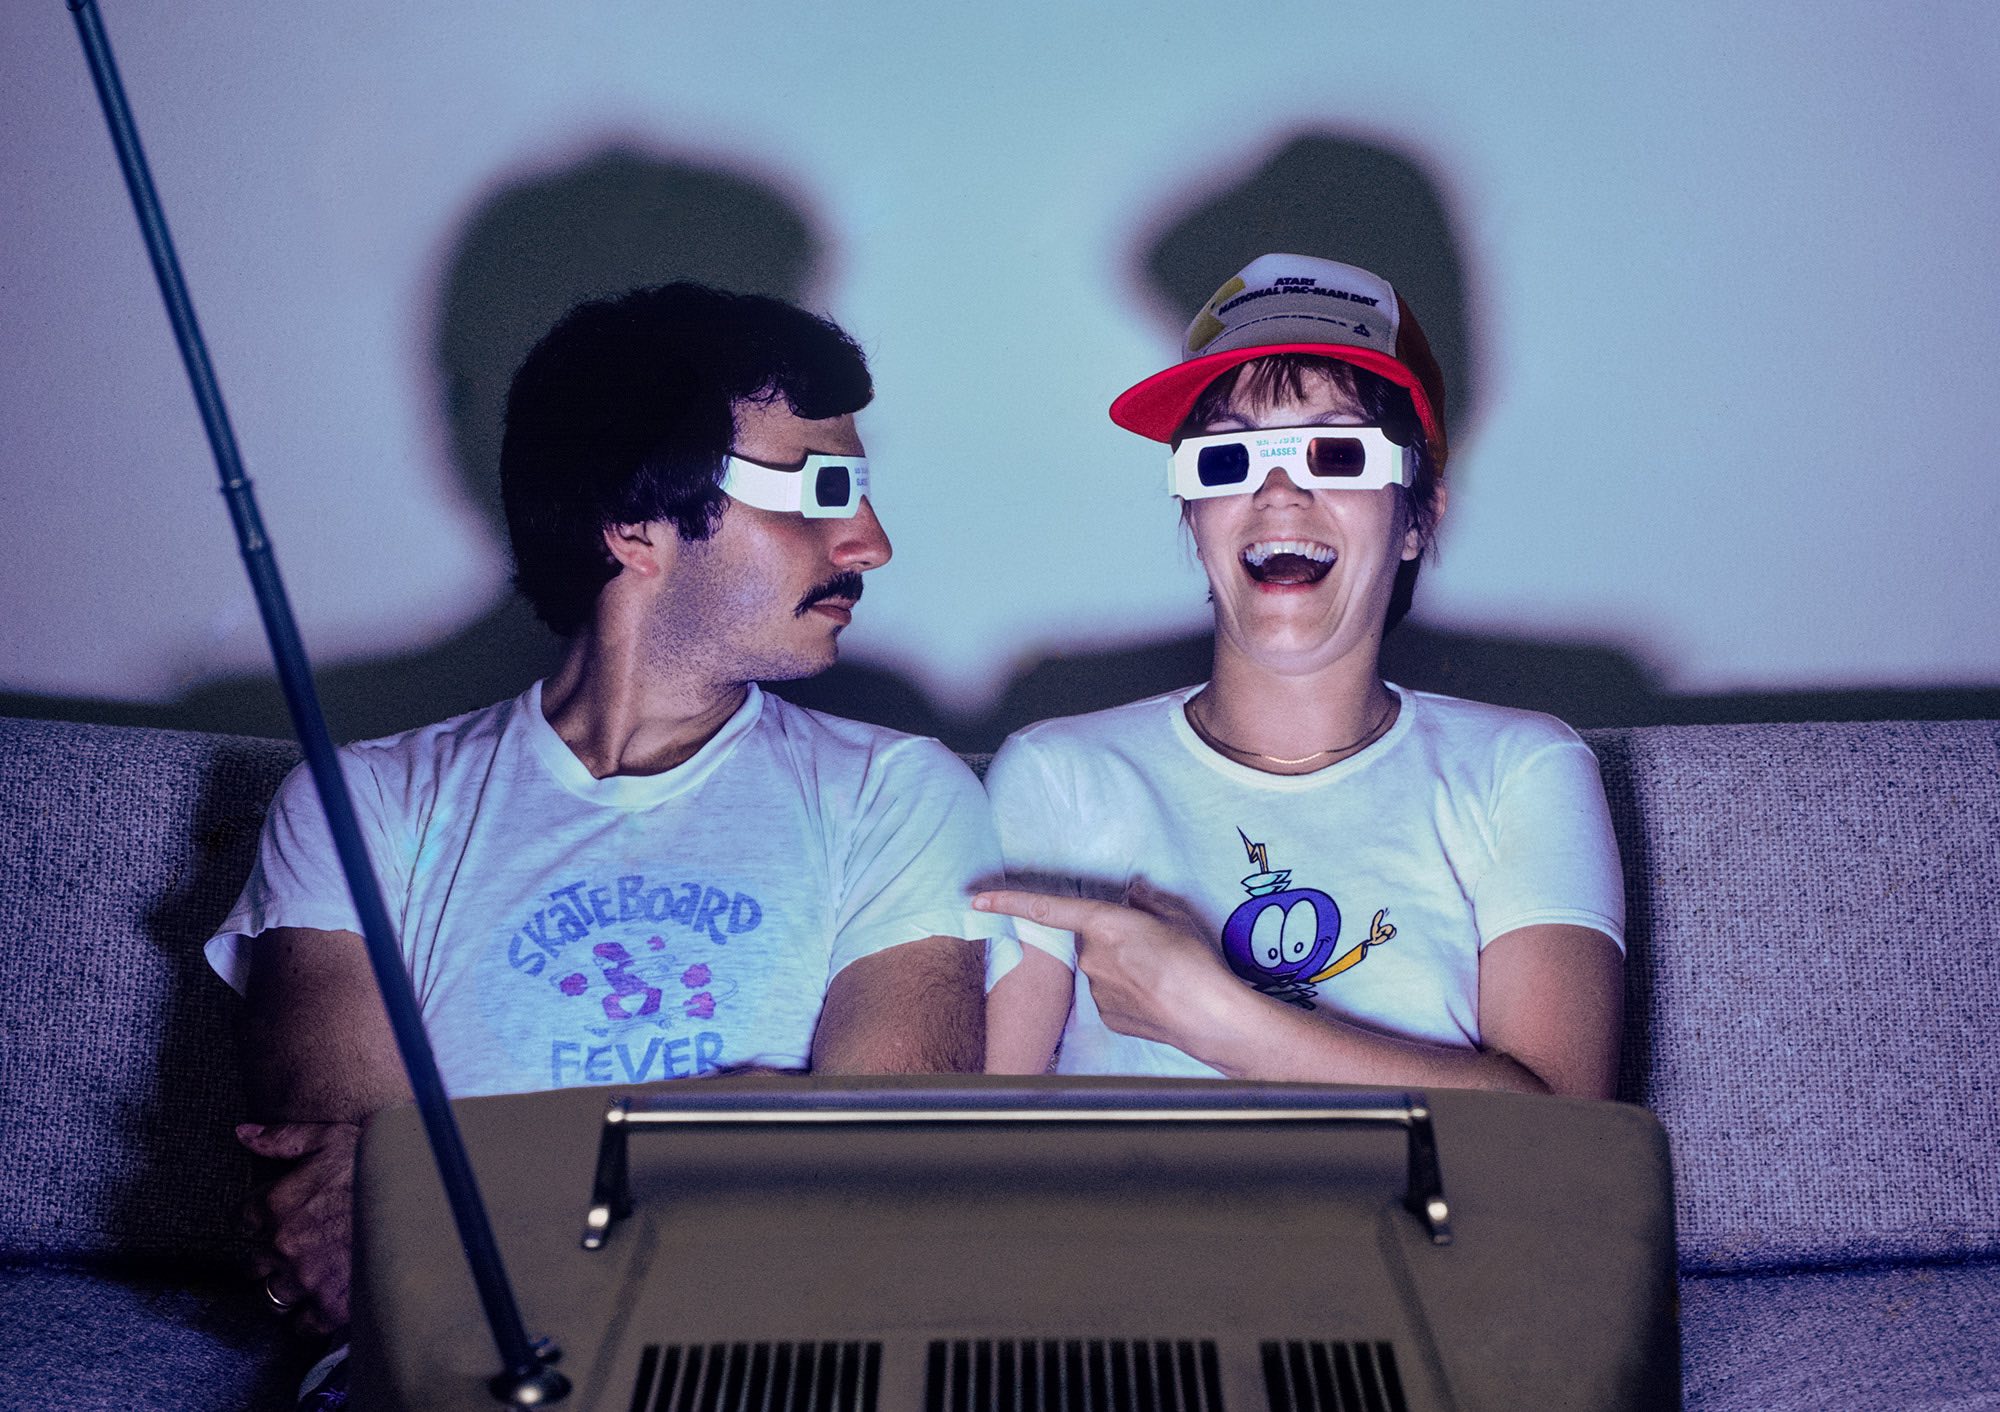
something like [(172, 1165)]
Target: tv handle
[(611, 1200)]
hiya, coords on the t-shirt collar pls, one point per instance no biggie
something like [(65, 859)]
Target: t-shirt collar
[(628, 791)]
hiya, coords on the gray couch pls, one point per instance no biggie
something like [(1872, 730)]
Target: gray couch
[(1814, 996)]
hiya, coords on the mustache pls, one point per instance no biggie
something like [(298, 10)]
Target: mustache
[(846, 584)]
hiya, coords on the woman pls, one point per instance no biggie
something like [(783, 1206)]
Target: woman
[(1297, 870)]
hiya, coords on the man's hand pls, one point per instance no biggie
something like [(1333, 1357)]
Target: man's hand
[(304, 1220), (318, 1059), (1151, 972)]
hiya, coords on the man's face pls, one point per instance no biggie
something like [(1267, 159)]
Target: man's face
[(1300, 578), (766, 595)]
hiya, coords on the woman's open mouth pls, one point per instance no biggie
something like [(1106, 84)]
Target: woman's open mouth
[(1287, 561)]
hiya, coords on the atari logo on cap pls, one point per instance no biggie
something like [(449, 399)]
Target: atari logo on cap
[(1296, 299), (1293, 304)]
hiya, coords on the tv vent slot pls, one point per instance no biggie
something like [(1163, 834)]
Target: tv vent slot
[(1072, 1375), (758, 1377), (1332, 1377)]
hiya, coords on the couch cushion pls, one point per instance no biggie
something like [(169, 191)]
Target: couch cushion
[(81, 1340), (1815, 983), (124, 847), (1917, 1338)]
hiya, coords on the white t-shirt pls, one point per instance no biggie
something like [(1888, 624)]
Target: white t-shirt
[(562, 929), (1461, 824)]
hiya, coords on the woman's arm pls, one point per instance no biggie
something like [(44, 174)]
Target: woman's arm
[(1550, 1000), (1037, 817), (1025, 1014)]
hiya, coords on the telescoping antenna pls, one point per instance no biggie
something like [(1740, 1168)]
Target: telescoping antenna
[(525, 1379)]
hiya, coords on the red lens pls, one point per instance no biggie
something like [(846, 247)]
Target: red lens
[(1336, 457)]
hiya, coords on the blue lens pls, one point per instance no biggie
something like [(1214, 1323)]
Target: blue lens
[(834, 486), (1336, 456), (1222, 465)]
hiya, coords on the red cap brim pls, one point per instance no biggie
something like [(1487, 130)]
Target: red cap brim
[(1156, 407)]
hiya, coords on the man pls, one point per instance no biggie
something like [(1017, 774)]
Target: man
[(643, 867)]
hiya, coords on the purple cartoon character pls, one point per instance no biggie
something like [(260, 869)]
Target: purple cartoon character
[(1282, 939)]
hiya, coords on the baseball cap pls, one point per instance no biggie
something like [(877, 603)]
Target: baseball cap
[(1293, 304)]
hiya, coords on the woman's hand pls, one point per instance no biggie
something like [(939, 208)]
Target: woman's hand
[(1152, 972)]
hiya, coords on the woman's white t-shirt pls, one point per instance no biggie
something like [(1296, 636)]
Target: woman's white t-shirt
[(1366, 889)]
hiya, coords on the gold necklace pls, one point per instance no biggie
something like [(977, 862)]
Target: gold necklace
[(1367, 736)]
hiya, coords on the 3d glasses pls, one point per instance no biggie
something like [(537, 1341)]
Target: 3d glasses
[(824, 488), (1316, 458)]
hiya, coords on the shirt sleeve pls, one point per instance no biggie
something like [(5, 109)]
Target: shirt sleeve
[(1555, 858), (923, 845), (297, 880), (1034, 818)]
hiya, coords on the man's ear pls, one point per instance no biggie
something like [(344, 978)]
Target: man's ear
[(644, 550)]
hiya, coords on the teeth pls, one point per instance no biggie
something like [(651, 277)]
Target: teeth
[(1261, 553)]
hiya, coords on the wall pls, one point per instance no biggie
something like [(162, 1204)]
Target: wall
[(1714, 289)]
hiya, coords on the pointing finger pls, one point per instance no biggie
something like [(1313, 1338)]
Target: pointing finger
[(1072, 914)]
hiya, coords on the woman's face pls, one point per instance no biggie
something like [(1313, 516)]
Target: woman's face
[(1300, 578)]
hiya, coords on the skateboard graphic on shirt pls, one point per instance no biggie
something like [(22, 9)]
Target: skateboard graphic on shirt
[(1282, 939), (643, 976), (639, 966)]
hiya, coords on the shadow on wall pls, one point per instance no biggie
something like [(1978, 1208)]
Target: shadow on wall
[(1335, 197), (612, 221), (1355, 200), (623, 218)]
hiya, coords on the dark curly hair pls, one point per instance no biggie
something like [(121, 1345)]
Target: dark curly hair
[(624, 413), (1283, 376)]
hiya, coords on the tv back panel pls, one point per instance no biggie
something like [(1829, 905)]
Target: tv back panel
[(1112, 1246)]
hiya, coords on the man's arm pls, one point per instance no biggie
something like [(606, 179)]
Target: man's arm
[(316, 1040), (318, 1057), (917, 1008)]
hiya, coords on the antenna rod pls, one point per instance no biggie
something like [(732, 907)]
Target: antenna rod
[(526, 1378)]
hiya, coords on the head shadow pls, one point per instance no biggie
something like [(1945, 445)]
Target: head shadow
[(618, 214), (1337, 197), (1331, 195), (621, 213), (615, 216), (616, 219)]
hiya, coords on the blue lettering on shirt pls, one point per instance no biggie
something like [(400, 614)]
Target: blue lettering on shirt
[(572, 1065), (577, 909)]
